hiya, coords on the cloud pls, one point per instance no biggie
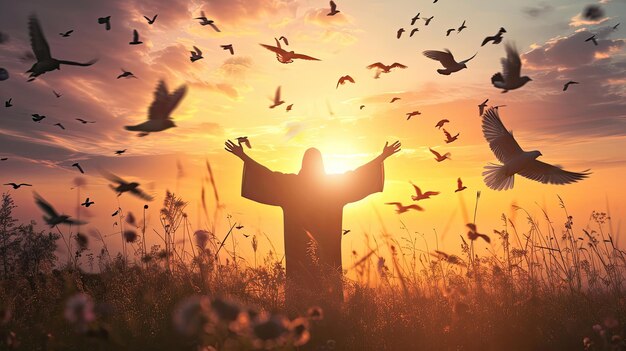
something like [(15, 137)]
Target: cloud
[(232, 12), (320, 17), (537, 11)]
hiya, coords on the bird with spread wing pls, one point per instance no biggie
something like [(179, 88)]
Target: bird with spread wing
[(125, 186), (159, 113), (284, 56)]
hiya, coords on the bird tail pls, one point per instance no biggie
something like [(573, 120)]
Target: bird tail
[(496, 177), (133, 128), (497, 78), (445, 72)]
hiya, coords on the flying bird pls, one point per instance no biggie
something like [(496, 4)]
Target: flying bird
[(473, 234), (66, 34), (593, 39), (17, 186), (4, 159), (333, 9), (78, 167), (289, 107), (449, 137), (126, 74), (419, 195), (57, 94), (463, 26), (481, 107), (119, 152), (204, 22), (135, 38), (52, 217), (517, 161), (568, 84), (439, 157), (345, 231), (496, 39), (277, 100), (510, 78), (4, 74), (244, 140), (399, 33), (228, 47), (37, 117), (116, 212), (394, 99), (8, 103), (459, 186), (441, 123), (361, 107), (59, 125), (196, 54), (411, 114), (106, 21), (45, 61), (413, 31), (84, 121), (414, 19), (343, 80), (401, 208), (284, 56), (159, 112), (87, 203), (427, 20), (615, 26), (384, 68), (151, 20), (123, 186), (450, 31), (447, 60), (284, 39)]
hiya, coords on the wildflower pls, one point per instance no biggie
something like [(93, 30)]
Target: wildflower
[(300, 334), (315, 313), (79, 310), (130, 219), (270, 330), (130, 236), (192, 314), (202, 237)]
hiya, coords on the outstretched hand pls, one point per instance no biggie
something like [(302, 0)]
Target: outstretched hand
[(389, 150), (235, 149)]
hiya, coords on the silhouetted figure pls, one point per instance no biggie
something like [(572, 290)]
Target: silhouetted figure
[(150, 20), (343, 80), (159, 112), (441, 123), (284, 56), (427, 20), (413, 31), (399, 33), (333, 9), (277, 99), (66, 34), (463, 26), (414, 19), (136, 40), (126, 74), (312, 203), (481, 107), (8, 103), (196, 54), (496, 39), (439, 157), (510, 78), (228, 47), (447, 61)]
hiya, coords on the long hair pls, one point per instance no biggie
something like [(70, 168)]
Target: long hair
[(312, 163)]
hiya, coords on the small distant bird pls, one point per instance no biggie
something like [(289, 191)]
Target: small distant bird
[(343, 80), (517, 161), (440, 157), (228, 47), (135, 38), (510, 78), (57, 94), (333, 9), (79, 167), (394, 99), (411, 114), (449, 137), (4, 159), (284, 39), (124, 186), (399, 33), (66, 34), (615, 26), (419, 195), (345, 231), (496, 39), (17, 186), (119, 152), (284, 56), (151, 20), (159, 113), (463, 26), (45, 61), (87, 203), (481, 107), (244, 140), (593, 39), (447, 60), (568, 84), (414, 19), (37, 117), (204, 22), (196, 54), (52, 217), (289, 107), (401, 208), (413, 31), (106, 21), (115, 213), (450, 31), (361, 107), (84, 121), (8, 103), (4, 74), (427, 20), (384, 68), (239, 227), (459, 186), (126, 74), (59, 125), (277, 100), (441, 123), (473, 234)]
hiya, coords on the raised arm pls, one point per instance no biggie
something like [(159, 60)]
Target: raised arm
[(237, 150), (388, 150)]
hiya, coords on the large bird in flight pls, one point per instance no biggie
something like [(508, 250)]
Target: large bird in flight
[(284, 56), (447, 61), (123, 186), (52, 217), (517, 161), (159, 113), (510, 78), (45, 61)]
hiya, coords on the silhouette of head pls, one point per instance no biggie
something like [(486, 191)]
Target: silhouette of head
[(312, 163)]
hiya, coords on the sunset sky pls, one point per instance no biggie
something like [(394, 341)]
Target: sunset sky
[(228, 96)]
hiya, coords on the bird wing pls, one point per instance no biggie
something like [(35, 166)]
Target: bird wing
[(399, 65), (468, 60), (444, 57), (333, 6), (277, 95), (147, 19), (141, 194), (512, 65), (38, 41), (447, 134), (214, 27), (418, 191), (550, 174), (378, 65), (45, 206), (500, 140), (304, 57), (89, 63), (487, 39), (113, 178), (459, 183), (274, 49), (435, 153), (164, 103), (198, 51), (431, 193), (135, 35)]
